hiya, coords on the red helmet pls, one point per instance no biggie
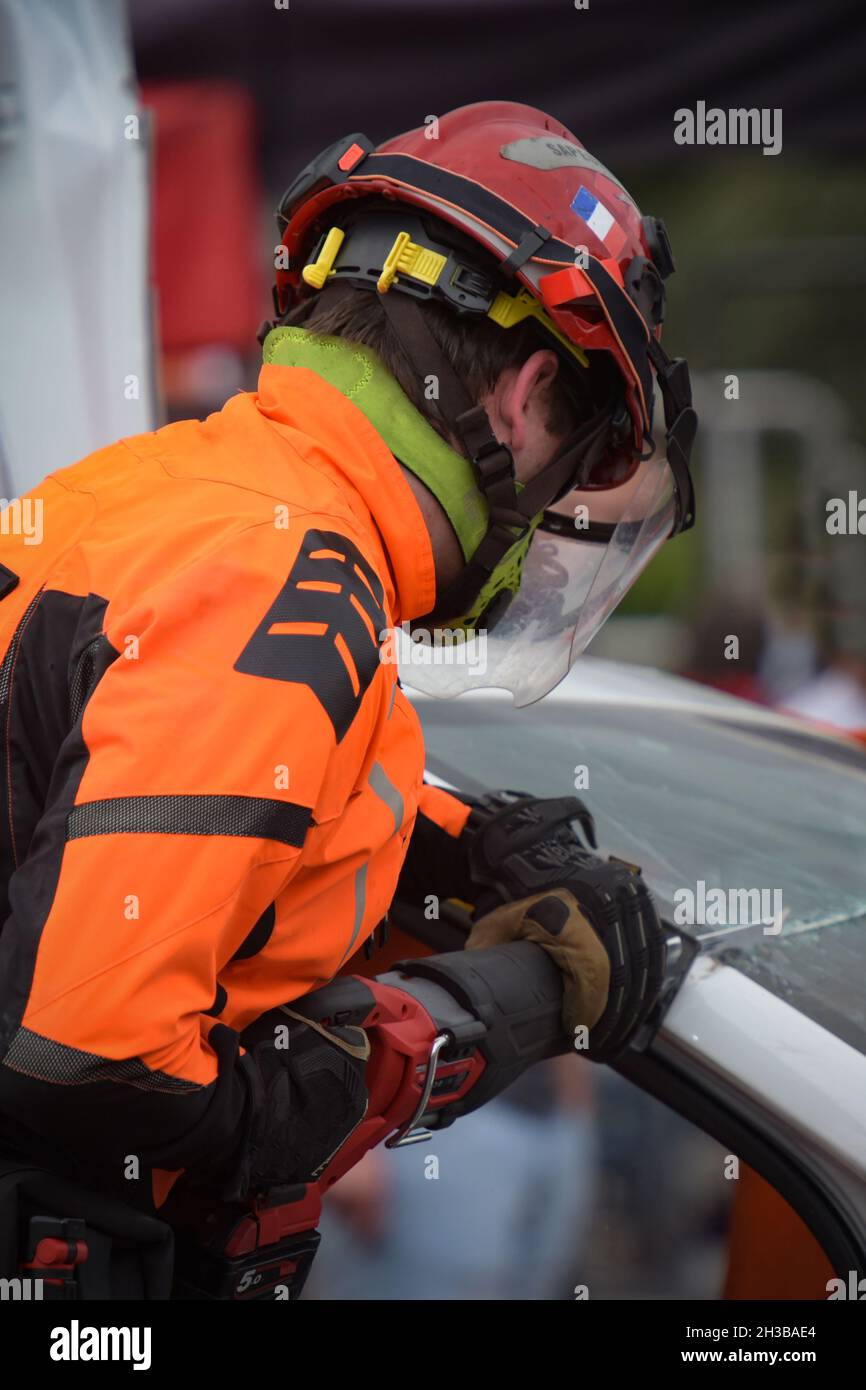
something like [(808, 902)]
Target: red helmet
[(557, 228)]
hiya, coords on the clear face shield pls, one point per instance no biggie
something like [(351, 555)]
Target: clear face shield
[(584, 556)]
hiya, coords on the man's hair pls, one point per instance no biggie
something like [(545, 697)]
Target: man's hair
[(478, 350)]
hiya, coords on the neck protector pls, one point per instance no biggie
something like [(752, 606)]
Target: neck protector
[(359, 374)]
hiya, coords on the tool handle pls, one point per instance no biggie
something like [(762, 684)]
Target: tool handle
[(513, 996)]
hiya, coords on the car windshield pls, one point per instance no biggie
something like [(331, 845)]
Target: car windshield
[(702, 803)]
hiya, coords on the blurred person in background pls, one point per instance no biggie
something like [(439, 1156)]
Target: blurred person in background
[(836, 693), (712, 657), (496, 1209)]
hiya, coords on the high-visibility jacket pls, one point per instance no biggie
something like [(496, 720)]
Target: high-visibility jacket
[(210, 777)]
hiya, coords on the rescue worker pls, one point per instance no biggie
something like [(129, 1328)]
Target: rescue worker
[(212, 772)]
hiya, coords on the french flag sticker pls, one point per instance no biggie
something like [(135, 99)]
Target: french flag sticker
[(598, 219)]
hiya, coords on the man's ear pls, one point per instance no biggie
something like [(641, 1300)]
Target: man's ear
[(517, 405)]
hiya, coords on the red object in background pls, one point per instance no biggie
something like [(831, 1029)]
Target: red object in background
[(742, 684), (207, 202), (772, 1254)]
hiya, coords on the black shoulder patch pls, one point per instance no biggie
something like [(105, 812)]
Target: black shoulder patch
[(8, 581), (323, 629)]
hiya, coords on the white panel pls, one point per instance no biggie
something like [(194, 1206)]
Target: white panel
[(73, 237)]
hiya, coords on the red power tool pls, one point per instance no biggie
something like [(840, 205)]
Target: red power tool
[(447, 1033)]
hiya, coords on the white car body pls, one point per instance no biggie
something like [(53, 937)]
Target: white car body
[(776, 1086)]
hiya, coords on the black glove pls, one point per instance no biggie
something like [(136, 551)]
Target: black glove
[(520, 846), (307, 1096), (435, 862)]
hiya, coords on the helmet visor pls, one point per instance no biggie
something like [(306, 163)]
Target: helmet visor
[(584, 557)]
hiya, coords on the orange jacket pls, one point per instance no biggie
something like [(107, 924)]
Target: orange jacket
[(210, 777)]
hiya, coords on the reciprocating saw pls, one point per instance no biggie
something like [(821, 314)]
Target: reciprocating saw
[(446, 1034)]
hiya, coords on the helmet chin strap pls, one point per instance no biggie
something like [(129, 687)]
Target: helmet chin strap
[(681, 425)]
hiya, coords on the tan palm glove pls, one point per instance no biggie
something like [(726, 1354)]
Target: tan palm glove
[(555, 922)]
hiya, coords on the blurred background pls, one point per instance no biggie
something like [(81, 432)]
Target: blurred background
[(143, 148)]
